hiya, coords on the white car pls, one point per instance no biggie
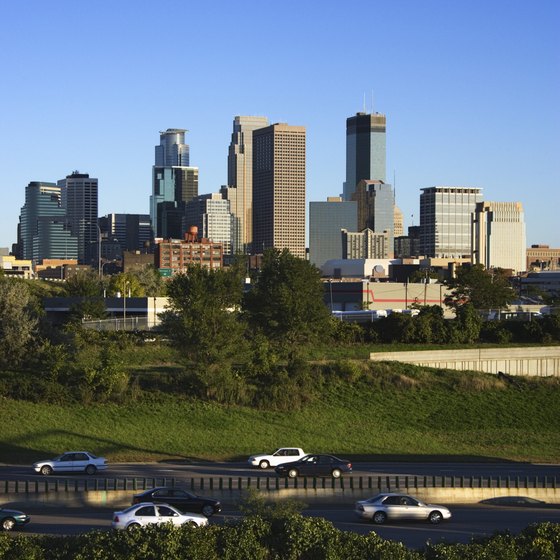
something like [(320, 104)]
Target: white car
[(281, 455), (398, 507), (148, 513), (72, 461)]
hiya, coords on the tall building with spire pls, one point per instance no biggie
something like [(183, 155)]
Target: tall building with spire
[(365, 150), (279, 188), (174, 184), (239, 190)]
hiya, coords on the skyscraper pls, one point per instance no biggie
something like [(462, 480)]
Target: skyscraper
[(498, 235), (279, 188), (445, 221), (240, 179), (365, 150), (326, 220), (80, 199), (44, 231), (174, 183), (376, 208), (210, 213), (132, 231)]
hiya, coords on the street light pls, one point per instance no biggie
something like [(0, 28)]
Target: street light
[(126, 284)]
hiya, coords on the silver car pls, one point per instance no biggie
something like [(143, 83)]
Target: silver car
[(148, 513), (72, 461), (397, 507)]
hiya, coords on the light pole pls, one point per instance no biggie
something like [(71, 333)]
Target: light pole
[(126, 284), (99, 268)]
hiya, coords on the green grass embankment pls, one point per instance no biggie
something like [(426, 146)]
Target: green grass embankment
[(390, 411)]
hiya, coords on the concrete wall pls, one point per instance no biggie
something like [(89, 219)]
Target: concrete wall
[(120, 499), (532, 361)]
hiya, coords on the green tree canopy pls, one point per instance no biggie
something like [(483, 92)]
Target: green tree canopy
[(203, 319), (85, 283), (126, 284), (18, 325), (484, 289), (286, 301)]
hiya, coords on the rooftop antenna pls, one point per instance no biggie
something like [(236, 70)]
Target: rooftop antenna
[(364, 101), (372, 111)]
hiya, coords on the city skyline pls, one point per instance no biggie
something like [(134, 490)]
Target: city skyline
[(469, 92)]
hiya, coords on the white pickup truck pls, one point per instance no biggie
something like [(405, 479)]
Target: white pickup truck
[(281, 455)]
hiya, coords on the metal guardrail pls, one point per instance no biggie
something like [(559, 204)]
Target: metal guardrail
[(236, 484)]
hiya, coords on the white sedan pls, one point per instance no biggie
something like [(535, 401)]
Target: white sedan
[(398, 507), (147, 513), (281, 455), (72, 461)]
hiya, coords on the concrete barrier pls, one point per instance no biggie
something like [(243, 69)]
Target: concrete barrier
[(531, 361)]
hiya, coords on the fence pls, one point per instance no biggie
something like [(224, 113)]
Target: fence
[(237, 484), (119, 324)]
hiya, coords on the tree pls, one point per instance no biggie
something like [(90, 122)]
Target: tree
[(286, 301), (125, 284), (203, 318), (150, 281), (484, 289), (84, 283), (18, 325)]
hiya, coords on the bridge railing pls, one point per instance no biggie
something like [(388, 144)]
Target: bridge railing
[(236, 484)]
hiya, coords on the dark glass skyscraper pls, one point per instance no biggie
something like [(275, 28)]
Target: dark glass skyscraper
[(80, 199), (174, 184), (44, 231), (365, 150)]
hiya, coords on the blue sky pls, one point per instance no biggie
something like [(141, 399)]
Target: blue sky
[(471, 91)]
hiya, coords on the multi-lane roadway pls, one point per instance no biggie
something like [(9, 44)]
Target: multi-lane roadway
[(468, 521)]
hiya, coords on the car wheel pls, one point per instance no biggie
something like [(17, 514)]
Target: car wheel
[(207, 510), (379, 517), (337, 473), (264, 464), (435, 517), (46, 470), (132, 526), (91, 469), (8, 524), (191, 524), (292, 473)]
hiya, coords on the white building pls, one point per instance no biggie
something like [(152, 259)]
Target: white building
[(498, 235)]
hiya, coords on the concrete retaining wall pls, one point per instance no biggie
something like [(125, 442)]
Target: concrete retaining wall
[(533, 361), (120, 499)]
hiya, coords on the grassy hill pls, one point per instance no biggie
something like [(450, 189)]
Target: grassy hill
[(369, 411)]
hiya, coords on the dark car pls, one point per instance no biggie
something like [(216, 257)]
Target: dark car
[(315, 465), (12, 519), (180, 499)]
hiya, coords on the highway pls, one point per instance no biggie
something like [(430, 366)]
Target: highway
[(467, 522), (184, 469)]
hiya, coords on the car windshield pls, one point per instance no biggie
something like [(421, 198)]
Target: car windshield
[(92, 455)]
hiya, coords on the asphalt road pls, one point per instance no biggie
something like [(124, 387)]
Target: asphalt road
[(467, 522), (188, 470)]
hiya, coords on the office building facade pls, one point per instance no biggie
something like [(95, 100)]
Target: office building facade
[(79, 194), (498, 235), (210, 213), (44, 231), (174, 184), (132, 231), (326, 220), (239, 190), (376, 207), (445, 221), (279, 188), (365, 150), (366, 244)]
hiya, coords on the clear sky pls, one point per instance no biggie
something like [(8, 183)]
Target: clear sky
[(470, 88)]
